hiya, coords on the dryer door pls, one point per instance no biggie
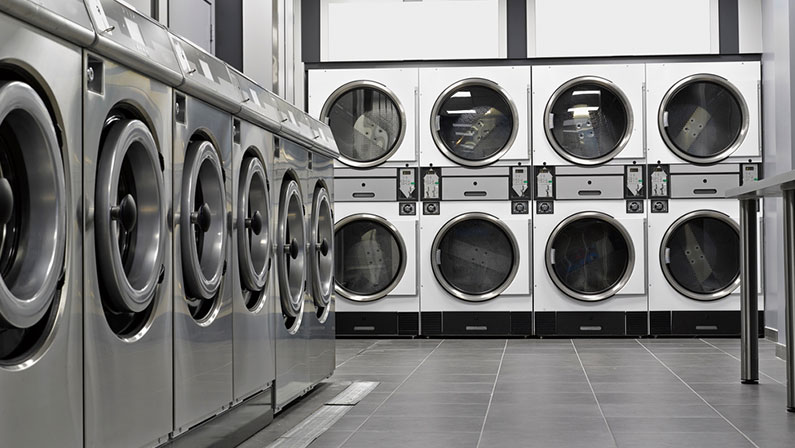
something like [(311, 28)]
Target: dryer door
[(253, 235), (474, 122), (322, 250), (700, 255), (590, 256), (370, 257), (368, 122), (292, 253), (475, 256), (32, 224), (703, 118), (588, 120)]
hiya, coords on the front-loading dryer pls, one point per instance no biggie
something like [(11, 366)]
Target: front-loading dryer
[(376, 241), (127, 234), (41, 246), (588, 114), (474, 116), (590, 252)]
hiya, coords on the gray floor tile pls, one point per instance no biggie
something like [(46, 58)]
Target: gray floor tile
[(658, 410), (407, 439), (434, 423), (648, 424), (407, 408), (550, 424), (681, 440), (649, 398), (541, 439), (331, 439)]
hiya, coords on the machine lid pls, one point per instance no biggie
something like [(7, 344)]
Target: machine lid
[(203, 221), (700, 255), (322, 250), (258, 105), (67, 19), (291, 250), (368, 122), (295, 124), (475, 256), (474, 122), (253, 225), (371, 257), (590, 256), (588, 120), (205, 76), (703, 118), (324, 144)]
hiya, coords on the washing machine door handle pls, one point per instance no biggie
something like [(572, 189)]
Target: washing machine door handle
[(202, 218), (255, 223), (323, 247), (6, 201), (126, 213), (292, 248)]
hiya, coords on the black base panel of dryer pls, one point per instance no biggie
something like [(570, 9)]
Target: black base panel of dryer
[(577, 323), (361, 324), (477, 324), (699, 323)]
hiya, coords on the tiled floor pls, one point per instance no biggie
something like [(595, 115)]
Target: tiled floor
[(556, 393)]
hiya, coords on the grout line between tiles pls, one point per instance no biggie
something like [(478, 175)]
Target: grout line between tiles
[(697, 394), (358, 353), (493, 389), (738, 359), (594, 393)]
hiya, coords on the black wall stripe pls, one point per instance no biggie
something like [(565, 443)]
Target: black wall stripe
[(729, 26), (229, 32), (517, 29), (310, 30)]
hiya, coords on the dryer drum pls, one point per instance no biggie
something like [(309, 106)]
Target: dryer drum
[(322, 250), (700, 255), (253, 226), (291, 250), (590, 256), (475, 256), (32, 222)]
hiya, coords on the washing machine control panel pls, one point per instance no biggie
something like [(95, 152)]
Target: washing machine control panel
[(545, 182), (659, 181), (520, 181), (750, 173), (633, 181), (407, 184), (431, 184)]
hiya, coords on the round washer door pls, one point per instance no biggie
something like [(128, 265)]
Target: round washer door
[(291, 250), (368, 122), (590, 256), (588, 120), (700, 255), (32, 222), (474, 122), (253, 231), (475, 257), (322, 250), (703, 118)]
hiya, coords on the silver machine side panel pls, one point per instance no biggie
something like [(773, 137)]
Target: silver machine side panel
[(26, 418), (259, 106), (67, 19)]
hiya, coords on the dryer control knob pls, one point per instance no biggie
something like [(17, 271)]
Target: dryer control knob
[(519, 207), (408, 208), (544, 207), (431, 208), (634, 206), (658, 206)]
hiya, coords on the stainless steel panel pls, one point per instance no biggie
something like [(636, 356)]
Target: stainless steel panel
[(704, 169), (205, 76), (474, 188), (702, 186), (67, 19), (195, 20), (258, 105), (365, 189), (590, 187), (372, 172), (591, 170), (483, 171)]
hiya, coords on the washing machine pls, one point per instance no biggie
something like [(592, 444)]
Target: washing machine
[(41, 246), (694, 249), (588, 115), (376, 241), (474, 116), (475, 246), (127, 105), (704, 113), (589, 257), (371, 112), (203, 218)]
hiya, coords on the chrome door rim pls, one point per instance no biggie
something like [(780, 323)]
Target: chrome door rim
[(252, 278), (452, 289), (360, 84), (613, 290), (322, 287), (607, 84), (350, 295), (676, 88), (291, 202), (444, 96), (664, 265)]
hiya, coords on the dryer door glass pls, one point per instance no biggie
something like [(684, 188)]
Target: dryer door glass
[(292, 252), (32, 224), (322, 248), (253, 230), (590, 256), (368, 123), (701, 256), (474, 122), (589, 121), (475, 257), (370, 257)]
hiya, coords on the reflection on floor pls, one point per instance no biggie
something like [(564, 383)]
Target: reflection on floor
[(552, 393)]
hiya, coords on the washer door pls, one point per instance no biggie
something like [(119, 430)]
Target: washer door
[(474, 122), (322, 251), (700, 255), (130, 222), (590, 256), (368, 122), (253, 231), (475, 256), (588, 120), (292, 250), (32, 222), (370, 255), (703, 118)]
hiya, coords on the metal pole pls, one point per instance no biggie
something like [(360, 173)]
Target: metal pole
[(789, 293), (749, 309)]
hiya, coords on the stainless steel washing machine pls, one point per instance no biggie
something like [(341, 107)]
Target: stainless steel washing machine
[(127, 238), (203, 216), (41, 284)]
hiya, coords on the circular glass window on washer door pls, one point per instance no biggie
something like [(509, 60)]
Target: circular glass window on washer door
[(292, 254), (475, 257), (368, 123), (588, 120), (700, 255), (253, 232), (703, 118), (590, 256), (32, 225), (474, 122), (370, 257)]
